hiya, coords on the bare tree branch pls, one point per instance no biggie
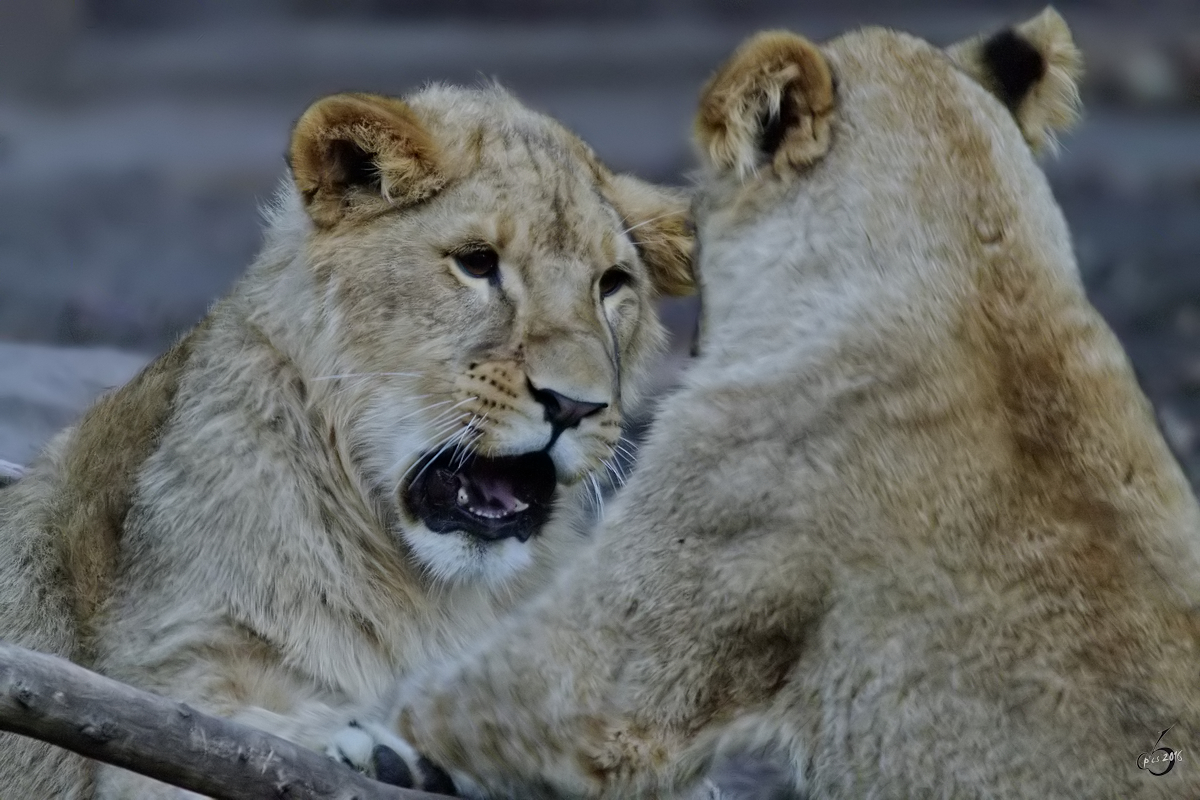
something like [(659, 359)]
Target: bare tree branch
[(66, 705)]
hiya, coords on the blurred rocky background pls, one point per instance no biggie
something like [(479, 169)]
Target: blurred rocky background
[(138, 138)]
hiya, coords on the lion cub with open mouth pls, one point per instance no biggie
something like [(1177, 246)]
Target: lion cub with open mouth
[(371, 448), (909, 524)]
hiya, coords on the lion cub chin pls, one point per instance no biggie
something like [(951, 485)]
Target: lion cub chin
[(368, 452), (910, 525)]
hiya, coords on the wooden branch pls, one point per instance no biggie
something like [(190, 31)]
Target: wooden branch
[(66, 705)]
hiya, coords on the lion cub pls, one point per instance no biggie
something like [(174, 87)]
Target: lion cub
[(910, 524), (366, 453)]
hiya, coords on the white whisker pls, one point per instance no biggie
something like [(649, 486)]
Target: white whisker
[(429, 407), (438, 454), (442, 429), (597, 494), (464, 431), (463, 449), (446, 414), (647, 222), (645, 240), (440, 425), (367, 375), (617, 476), (626, 451), (416, 461)]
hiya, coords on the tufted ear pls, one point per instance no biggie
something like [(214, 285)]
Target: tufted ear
[(658, 221), (1034, 69), (356, 155), (771, 102)]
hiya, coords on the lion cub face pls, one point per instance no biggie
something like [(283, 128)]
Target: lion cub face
[(487, 292)]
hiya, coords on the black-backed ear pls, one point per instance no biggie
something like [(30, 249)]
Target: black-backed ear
[(1034, 69), (770, 103), (356, 155), (659, 223)]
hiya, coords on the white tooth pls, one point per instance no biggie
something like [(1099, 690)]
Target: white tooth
[(463, 497), (487, 513), (520, 506)]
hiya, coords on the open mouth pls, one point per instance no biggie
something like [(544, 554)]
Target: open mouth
[(489, 498)]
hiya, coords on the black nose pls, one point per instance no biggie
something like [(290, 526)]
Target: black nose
[(562, 411)]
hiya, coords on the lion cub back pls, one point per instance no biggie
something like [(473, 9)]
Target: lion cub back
[(1012, 554), (59, 532)]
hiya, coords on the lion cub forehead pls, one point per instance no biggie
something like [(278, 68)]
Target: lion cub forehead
[(540, 176), (491, 125)]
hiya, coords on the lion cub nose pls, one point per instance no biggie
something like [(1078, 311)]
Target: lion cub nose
[(562, 411)]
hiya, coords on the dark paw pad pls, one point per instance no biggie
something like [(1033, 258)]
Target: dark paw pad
[(390, 767), (434, 779)]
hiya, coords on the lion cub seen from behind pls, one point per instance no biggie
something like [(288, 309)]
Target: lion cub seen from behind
[(370, 449), (910, 522)]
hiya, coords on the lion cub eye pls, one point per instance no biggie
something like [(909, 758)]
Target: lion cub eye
[(612, 280), (481, 263)]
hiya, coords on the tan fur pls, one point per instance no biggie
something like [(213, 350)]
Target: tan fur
[(98, 469), (1053, 103), (227, 528), (778, 79), (665, 241), (909, 525), (407, 157)]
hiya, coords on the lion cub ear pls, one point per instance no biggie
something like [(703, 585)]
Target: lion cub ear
[(658, 221), (771, 102), (1034, 69), (357, 155)]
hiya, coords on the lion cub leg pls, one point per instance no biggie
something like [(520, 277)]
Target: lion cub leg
[(618, 682)]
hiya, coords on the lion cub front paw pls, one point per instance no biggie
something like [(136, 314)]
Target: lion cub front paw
[(375, 751)]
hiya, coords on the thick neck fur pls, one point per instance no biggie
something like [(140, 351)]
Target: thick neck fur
[(808, 287), (281, 311)]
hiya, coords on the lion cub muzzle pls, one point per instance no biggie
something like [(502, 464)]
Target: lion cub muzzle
[(500, 481)]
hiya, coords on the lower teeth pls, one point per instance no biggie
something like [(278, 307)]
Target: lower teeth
[(464, 501), (487, 513)]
